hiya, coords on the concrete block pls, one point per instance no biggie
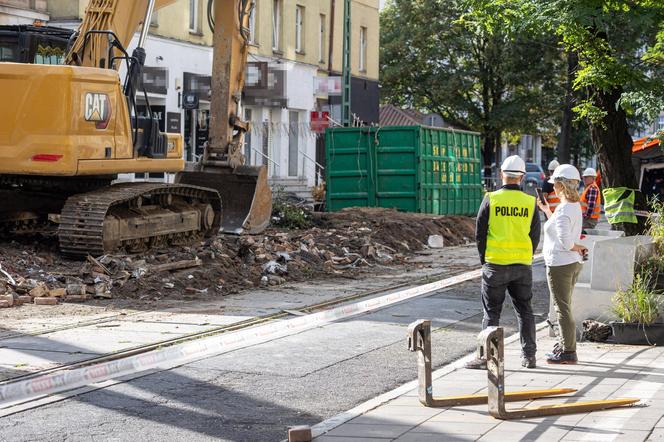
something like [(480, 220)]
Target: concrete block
[(299, 434), (586, 272), (607, 233), (46, 301), (25, 299), (57, 293), (615, 260), (589, 241), (588, 303), (76, 289), (4, 304)]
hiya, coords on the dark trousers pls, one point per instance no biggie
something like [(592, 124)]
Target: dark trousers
[(517, 280)]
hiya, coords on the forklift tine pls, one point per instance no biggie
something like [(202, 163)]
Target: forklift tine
[(495, 352), (419, 340)]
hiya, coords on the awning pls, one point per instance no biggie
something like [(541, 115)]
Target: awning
[(644, 143)]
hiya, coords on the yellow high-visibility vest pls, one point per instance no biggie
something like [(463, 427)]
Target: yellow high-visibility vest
[(508, 241)]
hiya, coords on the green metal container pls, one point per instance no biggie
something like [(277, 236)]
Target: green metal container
[(409, 168)]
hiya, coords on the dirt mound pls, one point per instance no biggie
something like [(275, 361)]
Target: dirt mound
[(401, 231), (342, 243)]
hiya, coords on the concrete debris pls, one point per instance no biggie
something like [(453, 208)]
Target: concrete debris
[(25, 299), (76, 290), (345, 243), (180, 265), (40, 290), (273, 267), (436, 242), (46, 301), (9, 299), (57, 293)]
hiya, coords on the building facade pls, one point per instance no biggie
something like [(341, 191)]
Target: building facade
[(23, 12), (293, 72)]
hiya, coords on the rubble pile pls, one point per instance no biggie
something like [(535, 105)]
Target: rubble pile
[(342, 243)]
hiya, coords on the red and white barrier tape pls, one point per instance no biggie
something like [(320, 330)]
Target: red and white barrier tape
[(20, 391)]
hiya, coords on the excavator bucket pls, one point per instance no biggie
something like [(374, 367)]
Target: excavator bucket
[(246, 197)]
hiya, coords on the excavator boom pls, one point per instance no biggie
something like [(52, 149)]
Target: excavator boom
[(244, 189)]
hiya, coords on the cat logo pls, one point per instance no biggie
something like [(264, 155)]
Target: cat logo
[(97, 109)]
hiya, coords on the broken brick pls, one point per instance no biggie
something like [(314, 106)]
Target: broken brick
[(57, 293), (46, 301), (25, 299), (300, 433)]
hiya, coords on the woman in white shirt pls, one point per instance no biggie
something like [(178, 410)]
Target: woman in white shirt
[(563, 257)]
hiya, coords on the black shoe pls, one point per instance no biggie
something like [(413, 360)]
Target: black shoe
[(529, 361), (476, 364), (564, 357)]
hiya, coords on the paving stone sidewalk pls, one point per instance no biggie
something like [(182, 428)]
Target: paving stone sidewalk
[(604, 371)]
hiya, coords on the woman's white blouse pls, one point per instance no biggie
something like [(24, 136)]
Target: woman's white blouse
[(561, 232)]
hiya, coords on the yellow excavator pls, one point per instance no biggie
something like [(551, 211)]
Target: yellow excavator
[(67, 131)]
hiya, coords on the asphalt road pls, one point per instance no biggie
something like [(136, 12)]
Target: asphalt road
[(256, 393)]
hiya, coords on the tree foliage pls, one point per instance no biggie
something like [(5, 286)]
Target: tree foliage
[(620, 50), (471, 67)]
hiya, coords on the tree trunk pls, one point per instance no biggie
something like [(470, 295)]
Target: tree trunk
[(613, 145), (491, 143), (565, 141)]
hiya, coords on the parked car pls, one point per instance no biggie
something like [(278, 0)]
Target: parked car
[(534, 178), (534, 175)]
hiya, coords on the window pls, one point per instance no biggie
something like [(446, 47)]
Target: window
[(363, 49), (660, 123), (321, 40), (299, 26), (193, 16), (252, 23), (276, 24)]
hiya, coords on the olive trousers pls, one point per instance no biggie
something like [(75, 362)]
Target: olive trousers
[(562, 280)]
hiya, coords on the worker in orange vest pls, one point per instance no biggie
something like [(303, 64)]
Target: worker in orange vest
[(591, 199), (547, 188)]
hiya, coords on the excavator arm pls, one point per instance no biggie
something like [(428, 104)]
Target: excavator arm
[(244, 190)]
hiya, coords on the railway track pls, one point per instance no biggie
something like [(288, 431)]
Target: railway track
[(452, 271)]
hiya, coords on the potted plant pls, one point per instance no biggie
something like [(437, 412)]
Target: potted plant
[(654, 266), (654, 269), (638, 309)]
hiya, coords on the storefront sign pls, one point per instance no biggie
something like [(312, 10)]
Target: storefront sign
[(155, 80), (198, 85), (319, 122), (174, 122), (189, 101)]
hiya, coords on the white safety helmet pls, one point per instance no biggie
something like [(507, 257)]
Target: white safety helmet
[(513, 166), (566, 171), (590, 172), (553, 164)]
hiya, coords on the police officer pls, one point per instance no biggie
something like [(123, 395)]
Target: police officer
[(507, 234)]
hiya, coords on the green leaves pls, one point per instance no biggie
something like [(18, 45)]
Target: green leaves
[(472, 62)]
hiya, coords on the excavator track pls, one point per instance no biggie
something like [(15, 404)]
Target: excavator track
[(135, 216)]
